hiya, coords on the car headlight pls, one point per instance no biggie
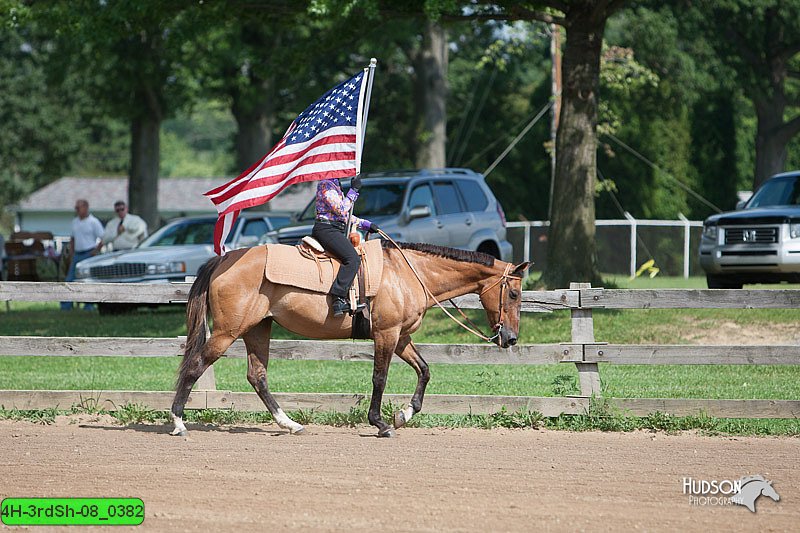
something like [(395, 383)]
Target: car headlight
[(794, 231), (175, 267), (710, 232), (82, 272)]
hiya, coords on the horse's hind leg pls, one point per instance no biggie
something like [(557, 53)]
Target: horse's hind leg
[(192, 367), (408, 353), (257, 342)]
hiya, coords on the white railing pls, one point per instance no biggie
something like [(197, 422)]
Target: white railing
[(633, 224)]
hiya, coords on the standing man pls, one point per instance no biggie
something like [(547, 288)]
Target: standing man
[(125, 231), (86, 231)]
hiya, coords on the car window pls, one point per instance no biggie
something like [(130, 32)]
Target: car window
[(447, 197), (379, 200), (473, 195), (254, 228), (422, 196), (186, 232), (777, 192)]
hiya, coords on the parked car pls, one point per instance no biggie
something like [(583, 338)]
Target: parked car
[(450, 207), (757, 243), (173, 252)]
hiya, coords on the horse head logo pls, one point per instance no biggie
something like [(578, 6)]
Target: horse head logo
[(751, 488)]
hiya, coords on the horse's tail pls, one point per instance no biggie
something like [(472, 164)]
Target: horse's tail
[(197, 314)]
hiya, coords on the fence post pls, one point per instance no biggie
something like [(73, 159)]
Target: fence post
[(632, 243), (686, 236), (583, 333)]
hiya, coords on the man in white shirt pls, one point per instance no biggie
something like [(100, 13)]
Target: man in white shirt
[(125, 231), (86, 232)]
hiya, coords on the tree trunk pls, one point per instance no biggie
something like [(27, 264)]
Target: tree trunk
[(771, 142), (571, 239), (255, 117), (143, 179), (431, 80)]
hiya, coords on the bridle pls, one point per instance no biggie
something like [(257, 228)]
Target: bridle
[(503, 280)]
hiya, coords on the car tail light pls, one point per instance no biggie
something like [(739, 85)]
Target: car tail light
[(501, 213)]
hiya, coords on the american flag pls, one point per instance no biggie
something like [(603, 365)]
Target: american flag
[(323, 142)]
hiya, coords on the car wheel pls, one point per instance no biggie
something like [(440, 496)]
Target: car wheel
[(489, 248), (721, 282)]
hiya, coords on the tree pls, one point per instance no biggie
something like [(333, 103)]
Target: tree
[(758, 39), (571, 240), (132, 57), (44, 123)]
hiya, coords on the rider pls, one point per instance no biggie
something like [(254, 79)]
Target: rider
[(333, 210)]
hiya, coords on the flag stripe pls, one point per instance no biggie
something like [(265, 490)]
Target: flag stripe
[(259, 195), (313, 152)]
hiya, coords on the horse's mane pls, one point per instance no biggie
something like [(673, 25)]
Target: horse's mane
[(443, 251)]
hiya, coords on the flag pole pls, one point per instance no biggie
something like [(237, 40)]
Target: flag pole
[(369, 72)]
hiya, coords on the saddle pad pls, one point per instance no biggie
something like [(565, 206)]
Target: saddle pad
[(287, 266)]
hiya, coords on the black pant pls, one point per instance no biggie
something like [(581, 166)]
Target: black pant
[(338, 245)]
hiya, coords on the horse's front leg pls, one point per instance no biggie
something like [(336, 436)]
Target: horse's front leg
[(385, 344), (408, 353)]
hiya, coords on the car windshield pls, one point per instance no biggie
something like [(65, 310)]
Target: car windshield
[(777, 191), (183, 232), (375, 200)]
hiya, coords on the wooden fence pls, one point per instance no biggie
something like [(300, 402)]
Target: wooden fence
[(581, 350)]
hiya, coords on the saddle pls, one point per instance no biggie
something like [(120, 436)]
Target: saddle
[(308, 266)]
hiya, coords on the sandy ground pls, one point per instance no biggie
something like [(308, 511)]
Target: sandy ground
[(248, 478)]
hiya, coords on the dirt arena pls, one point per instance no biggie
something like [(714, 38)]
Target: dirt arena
[(248, 478)]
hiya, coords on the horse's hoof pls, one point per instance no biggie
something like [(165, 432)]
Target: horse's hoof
[(388, 433), (179, 432), (300, 431), (399, 419)]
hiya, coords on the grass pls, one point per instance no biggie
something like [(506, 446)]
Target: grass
[(654, 326)]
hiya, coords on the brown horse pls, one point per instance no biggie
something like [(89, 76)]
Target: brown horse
[(243, 303)]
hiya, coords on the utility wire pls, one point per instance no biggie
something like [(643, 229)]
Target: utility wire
[(491, 145), (462, 122), (475, 115), (623, 212), (513, 143), (667, 174)]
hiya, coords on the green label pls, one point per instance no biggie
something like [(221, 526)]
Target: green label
[(72, 511)]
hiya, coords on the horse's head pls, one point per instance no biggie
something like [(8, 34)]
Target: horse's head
[(768, 490), (501, 296)]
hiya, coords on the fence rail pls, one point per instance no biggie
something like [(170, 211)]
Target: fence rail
[(582, 350)]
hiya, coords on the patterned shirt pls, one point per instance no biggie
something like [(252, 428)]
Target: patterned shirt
[(333, 205)]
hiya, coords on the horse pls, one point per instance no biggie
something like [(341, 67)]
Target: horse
[(243, 303)]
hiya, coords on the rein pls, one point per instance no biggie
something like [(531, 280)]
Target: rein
[(477, 332)]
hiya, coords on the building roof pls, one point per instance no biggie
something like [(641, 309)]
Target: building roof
[(174, 195)]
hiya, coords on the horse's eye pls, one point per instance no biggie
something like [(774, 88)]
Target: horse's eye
[(513, 294)]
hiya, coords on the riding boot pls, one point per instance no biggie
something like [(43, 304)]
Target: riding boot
[(339, 306)]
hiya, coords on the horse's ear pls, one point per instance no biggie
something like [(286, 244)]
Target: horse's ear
[(520, 268)]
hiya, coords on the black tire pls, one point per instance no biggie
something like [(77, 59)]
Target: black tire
[(489, 248), (721, 282)]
